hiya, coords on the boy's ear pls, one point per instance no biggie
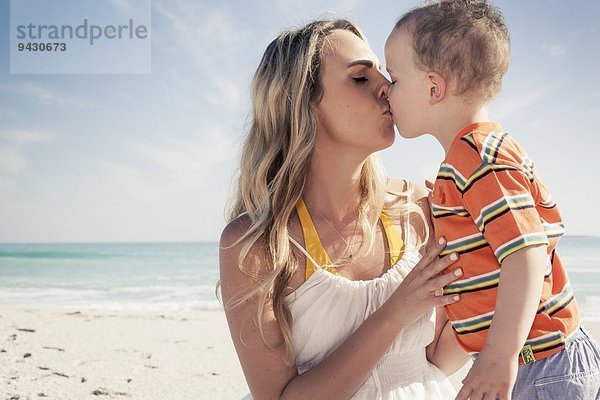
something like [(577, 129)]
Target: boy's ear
[(437, 87)]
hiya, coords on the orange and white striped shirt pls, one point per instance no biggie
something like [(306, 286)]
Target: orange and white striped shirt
[(489, 202)]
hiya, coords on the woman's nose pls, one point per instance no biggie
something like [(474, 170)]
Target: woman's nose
[(385, 87), (385, 90)]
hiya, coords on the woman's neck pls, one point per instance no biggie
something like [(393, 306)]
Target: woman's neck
[(333, 186)]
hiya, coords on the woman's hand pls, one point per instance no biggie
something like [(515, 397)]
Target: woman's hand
[(418, 293)]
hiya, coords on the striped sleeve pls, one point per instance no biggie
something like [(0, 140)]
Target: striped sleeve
[(500, 202)]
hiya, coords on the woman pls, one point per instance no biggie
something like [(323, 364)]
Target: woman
[(316, 261)]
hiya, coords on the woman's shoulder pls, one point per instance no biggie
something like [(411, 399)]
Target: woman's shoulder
[(235, 230), (232, 242)]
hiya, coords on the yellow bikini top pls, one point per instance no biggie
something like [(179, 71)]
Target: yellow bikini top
[(315, 248)]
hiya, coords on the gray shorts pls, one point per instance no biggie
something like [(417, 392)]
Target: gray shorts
[(571, 374)]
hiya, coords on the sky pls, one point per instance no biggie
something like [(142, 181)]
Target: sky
[(151, 157)]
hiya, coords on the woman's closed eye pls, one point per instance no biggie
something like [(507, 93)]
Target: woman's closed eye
[(360, 80)]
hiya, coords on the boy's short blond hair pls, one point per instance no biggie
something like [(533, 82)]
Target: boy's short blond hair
[(467, 41)]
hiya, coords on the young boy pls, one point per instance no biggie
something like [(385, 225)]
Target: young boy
[(517, 316)]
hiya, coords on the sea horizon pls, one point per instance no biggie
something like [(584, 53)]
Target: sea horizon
[(180, 275), (568, 236)]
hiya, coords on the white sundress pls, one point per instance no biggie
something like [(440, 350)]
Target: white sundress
[(328, 308)]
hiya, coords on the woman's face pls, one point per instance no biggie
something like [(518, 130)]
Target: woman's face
[(353, 111)]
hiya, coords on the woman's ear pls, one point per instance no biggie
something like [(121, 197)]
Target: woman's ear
[(437, 87)]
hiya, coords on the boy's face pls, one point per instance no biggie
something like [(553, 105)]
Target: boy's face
[(408, 94)]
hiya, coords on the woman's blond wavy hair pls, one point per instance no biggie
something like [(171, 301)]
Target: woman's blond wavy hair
[(275, 159)]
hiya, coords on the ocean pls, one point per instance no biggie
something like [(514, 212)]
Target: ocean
[(181, 276)]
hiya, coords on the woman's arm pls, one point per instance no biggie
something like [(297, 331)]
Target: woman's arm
[(342, 372), (265, 370)]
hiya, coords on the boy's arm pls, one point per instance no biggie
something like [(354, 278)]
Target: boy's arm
[(445, 352), (495, 369)]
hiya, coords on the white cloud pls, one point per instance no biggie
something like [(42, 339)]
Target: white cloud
[(507, 105), (229, 92), (13, 142), (11, 160), (44, 95), (5, 183), (122, 182), (196, 29), (188, 163), (163, 197), (21, 137), (554, 50), (174, 87), (303, 9), (212, 39), (174, 168), (123, 5), (6, 114)]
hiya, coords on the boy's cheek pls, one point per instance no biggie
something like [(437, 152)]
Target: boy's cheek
[(392, 102), (396, 112)]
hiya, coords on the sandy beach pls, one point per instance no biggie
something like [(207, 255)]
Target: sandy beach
[(82, 354)]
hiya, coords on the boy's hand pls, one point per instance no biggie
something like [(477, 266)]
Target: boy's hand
[(491, 377), (429, 186)]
